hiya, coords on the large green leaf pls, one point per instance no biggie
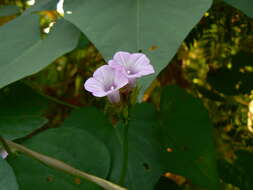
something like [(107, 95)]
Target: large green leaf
[(40, 5), (157, 28), (7, 177), (71, 145), (187, 132), (23, 52), (240, 172), (244, 5), (143, 162), (95, 123), (21, 111), (8, 10), (144, 150)]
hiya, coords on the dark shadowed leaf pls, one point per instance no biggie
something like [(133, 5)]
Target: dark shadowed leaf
[(143, 149), (188, 137), (165, 184), (145, 152), (71, 145), (133, 26), (95, 123), (21, 111), (244, 5), (240, 172), (233, 81)]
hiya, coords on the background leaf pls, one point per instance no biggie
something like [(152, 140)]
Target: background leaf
[(187, 132), (240, 172), (133, 25), (233, 81), (21, 111)]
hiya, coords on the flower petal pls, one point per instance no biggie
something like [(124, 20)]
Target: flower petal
[(120, 80), (105, 75), (110, 77), (122, 58), (133, 65), (3, 153), (95, 87), (115, 65), (140, 65)]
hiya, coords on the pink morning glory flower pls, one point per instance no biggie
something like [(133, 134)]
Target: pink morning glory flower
[(3, 153), (106, 81), (133, 65)]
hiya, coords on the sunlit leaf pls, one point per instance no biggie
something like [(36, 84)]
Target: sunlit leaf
[(8, 10), (42, 5), (24, 53)]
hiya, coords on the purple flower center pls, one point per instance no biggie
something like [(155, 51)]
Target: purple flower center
[(109, 87), (131, 71)]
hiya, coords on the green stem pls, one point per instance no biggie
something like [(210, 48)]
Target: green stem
[(125, 155), (58, 101), (125, 143), (51, 98)]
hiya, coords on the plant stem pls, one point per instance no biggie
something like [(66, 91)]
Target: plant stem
[(125, 144), (125, 155), (51, 98), (58, 101), (59, 165)]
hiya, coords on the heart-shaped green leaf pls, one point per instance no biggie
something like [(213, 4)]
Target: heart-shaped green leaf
[(24, 53), (157, 28), (71, 145), (188, 137)]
